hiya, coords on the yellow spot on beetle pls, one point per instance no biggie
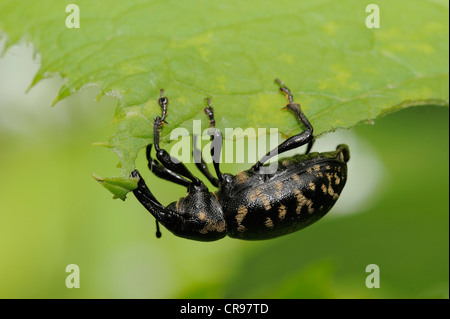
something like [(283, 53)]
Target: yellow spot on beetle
[(258, 194), (281, 212), (213, 226), (332, 193), (242, 211), (278, 187), (337, 180), (266, 202), (268, 222), (312, 186), (255, 194), (201, 216), (252, 197), (302, 201), (316, 168), (241, 177), (324, 188), (329, 176), (296, 179)]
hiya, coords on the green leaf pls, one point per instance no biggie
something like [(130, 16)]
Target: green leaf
[(119, 186), (342, 72)]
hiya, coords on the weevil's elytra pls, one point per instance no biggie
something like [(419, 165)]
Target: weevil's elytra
[(300, 203), (250, 205)]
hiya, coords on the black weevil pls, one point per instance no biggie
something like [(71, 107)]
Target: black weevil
[(252, 204)]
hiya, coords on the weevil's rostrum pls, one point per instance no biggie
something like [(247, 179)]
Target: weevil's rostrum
[(253, 204)]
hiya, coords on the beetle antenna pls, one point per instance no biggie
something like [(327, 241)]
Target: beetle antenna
[(158, 232)]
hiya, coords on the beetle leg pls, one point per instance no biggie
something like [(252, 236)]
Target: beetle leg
[(170, 163), (163, 102), (309, 147), (306, 137), (162, 172), (298, 112), (216, 139), (293, 142), (201, 165)]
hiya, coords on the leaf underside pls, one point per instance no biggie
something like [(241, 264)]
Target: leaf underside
[(340, 71)]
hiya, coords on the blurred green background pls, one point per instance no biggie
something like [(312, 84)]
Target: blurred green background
[(393, 213)]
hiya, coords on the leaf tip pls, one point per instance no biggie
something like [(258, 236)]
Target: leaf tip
[(36, 79), (118, 186), (103, 144), (56, 100), (97, 178)]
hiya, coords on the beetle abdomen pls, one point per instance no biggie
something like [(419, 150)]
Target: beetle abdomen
[(302, 191)]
